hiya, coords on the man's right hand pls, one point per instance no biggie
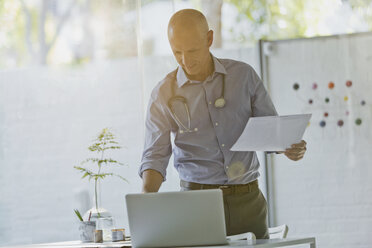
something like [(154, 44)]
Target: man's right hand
[(152, 180)]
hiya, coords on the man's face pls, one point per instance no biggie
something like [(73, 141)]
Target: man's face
[(191, 50)]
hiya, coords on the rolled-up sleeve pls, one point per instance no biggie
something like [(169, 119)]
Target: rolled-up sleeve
[(261, 101), (157, 148)]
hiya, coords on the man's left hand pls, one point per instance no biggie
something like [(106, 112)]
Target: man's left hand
[(297, 151)]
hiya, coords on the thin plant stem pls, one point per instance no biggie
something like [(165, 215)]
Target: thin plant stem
[(95, 194), (95, 186)]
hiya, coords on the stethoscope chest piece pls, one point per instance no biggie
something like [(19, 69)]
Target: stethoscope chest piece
[(220, 102)]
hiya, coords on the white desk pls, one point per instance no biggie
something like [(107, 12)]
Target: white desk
[(260, 243), (267, 243)]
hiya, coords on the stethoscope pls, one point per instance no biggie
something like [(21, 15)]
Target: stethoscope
[(218, 103)]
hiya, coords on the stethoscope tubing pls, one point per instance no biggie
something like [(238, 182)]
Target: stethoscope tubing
[(188, 118), (184, 101)]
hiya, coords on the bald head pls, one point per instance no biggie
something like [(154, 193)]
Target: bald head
[(187, 21), (190, 39)]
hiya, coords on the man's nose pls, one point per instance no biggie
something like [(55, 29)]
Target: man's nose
[(185, 59)]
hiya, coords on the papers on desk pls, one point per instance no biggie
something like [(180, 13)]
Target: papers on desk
[(272, 133)]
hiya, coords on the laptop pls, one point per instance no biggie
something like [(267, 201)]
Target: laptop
[(169, 219)]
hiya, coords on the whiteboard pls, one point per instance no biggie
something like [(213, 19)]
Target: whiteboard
[(327, 194)]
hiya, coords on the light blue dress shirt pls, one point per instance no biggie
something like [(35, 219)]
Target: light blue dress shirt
[(203, 155)]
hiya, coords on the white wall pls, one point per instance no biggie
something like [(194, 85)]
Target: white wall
[(48, 118), (328, 193)]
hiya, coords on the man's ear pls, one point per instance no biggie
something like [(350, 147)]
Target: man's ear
[(210, 38)]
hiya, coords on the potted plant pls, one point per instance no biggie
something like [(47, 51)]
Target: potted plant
[(104, 142)]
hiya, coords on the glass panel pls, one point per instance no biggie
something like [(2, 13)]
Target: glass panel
[(68, 70)]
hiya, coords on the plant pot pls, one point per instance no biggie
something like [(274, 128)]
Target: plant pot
[(86, 230)]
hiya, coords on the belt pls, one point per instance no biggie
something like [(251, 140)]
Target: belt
[(226, 188)]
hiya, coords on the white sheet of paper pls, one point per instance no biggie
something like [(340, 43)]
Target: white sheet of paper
[(272, 133)]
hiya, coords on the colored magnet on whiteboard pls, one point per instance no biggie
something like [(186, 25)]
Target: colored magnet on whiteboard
[(331, 85), (349, 83), (296, 86), (347, 112), (363, 102), (310, 101), (315, 85), (340, 123), (322, 123), (326, 100), (346, 98), (325, 114), (358, 121)]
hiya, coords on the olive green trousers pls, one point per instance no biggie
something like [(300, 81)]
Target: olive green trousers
[(244, 205)]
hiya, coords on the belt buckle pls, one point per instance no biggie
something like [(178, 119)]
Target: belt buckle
[(223, 187)]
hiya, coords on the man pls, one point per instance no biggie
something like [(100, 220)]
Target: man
[(206, 104)]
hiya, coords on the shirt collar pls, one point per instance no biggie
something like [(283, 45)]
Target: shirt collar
[(182, 78)]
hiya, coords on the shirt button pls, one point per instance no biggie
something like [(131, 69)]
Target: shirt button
[(223, 145), (216, 123), (210, 102)]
